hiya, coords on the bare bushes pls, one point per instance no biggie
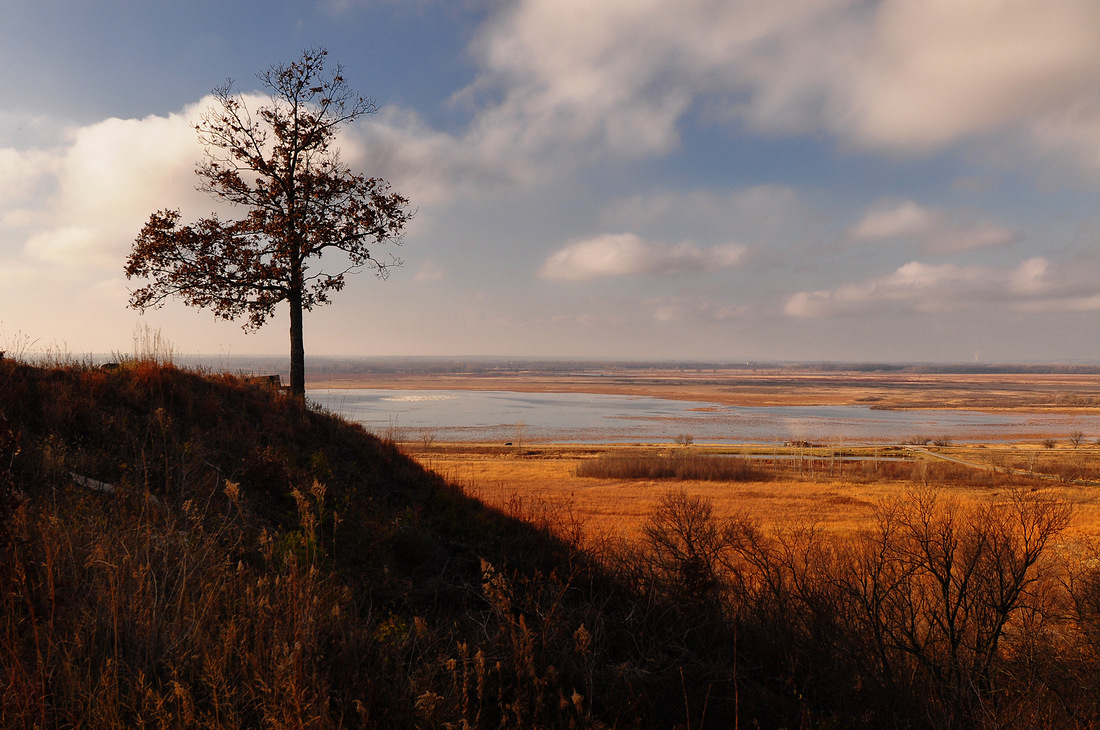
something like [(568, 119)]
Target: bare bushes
[(9, 452), (944, 474), (678, 465), (951, 596), (942, 616), (684, 547)]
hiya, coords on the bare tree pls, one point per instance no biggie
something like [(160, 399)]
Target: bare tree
[(278, 163), (938, 586)]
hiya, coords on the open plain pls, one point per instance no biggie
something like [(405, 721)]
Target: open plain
[(837, 489), (786, 486)]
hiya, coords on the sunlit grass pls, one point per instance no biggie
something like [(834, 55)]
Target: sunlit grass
[(258, 562), (783, 486)]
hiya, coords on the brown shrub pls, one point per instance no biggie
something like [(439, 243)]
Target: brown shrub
[(680, 465)]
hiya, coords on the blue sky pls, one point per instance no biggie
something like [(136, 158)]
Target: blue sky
[(903, 180)]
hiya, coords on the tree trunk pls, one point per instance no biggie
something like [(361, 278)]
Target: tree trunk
[(297, 348)]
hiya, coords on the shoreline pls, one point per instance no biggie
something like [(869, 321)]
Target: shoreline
[(1012, 392)]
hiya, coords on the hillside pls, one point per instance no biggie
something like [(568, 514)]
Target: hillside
[(258, 562), (185, 549)]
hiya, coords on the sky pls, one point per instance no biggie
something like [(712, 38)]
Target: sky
[(734, 180)]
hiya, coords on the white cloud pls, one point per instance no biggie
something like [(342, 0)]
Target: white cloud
[(937, 231), (1030, 277), (920, 287), (938, 70), (16, 274), (66, 245), (959, 237), (429, 272), (907, 219), (23, 173), (625, 254), (1061, 305), (1070, 135), (757, 212), (430, 166), (95, 189), (565, 83), (618, 76)]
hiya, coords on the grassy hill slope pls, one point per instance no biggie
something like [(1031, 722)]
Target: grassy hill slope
[(255, 561), (180, 549)]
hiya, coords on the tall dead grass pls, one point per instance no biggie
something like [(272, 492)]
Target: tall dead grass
[(259, 564), (680, 464), (124, 613)]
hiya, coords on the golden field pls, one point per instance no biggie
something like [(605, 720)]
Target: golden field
[(798, 487), (839, 496)]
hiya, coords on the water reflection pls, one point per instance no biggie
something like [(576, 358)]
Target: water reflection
[(460, 415)]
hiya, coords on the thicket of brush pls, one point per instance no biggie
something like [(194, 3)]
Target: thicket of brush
[(263, 563), (681, 464), (691, 465)]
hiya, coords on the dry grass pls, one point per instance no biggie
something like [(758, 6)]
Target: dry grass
[(839, 497), (301, 573), (679, 464)]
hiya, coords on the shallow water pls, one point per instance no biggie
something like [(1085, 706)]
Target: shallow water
[(501, 416)]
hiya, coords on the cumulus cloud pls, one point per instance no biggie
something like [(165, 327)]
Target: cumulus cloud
[(431, 166), (24, 175), (619, 76), (625, 254), (906, 219), (936, 71), (937, 231), (959, 237), (94, 190), (921, 287), (563, 83)]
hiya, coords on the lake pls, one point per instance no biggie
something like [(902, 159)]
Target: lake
[(502, 416)]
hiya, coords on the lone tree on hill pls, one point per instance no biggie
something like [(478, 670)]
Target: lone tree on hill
[(278, 163)]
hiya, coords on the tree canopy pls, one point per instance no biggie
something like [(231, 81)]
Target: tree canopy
[(278, 163)]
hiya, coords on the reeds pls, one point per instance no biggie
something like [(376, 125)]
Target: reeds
[(680, 464)]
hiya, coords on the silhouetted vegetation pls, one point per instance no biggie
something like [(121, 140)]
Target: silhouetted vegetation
[(182, 549), (278, 162)]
